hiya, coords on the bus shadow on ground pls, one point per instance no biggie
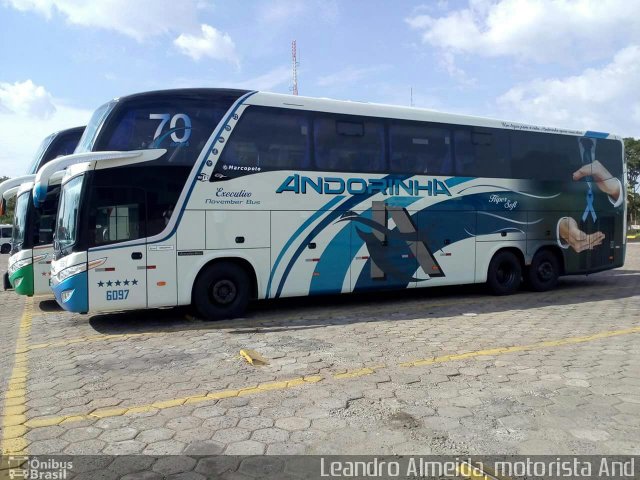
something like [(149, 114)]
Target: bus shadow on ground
[(49, 306), (300, 313)]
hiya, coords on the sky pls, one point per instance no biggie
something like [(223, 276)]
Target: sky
[(563, 63)]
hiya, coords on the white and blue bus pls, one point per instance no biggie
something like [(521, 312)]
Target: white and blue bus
[(31, 249), (215, 197)]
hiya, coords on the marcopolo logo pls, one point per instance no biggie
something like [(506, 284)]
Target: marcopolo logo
[(359, 186)]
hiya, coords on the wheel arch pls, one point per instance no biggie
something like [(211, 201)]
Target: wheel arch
[(240, 262), (513, 249)]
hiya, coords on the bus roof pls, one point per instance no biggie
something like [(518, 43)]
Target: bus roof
[(409, 113)]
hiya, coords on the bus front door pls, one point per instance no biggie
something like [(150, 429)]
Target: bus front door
[(121, 281)]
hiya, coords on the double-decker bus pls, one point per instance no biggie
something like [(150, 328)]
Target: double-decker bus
[(31, 245), (214, 197)]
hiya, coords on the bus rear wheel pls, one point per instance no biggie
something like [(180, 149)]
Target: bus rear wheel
[(222, 291), (505, 273), (544, 271)]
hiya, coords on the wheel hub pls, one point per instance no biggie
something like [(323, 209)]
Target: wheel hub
[(224, 292), (545, 271)]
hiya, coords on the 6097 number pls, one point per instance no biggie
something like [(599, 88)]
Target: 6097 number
[(117, 294)]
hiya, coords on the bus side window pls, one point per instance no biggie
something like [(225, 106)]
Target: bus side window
[(420, 149), (349, 144), (115, 218), (544, 156), (482, 152), (464, 152), (267, 139)]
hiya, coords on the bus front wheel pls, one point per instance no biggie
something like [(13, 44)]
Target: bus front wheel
[(222, 291), (544, 271), (505, 273)]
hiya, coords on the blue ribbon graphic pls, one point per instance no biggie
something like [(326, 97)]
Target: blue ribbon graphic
[(589, 208)]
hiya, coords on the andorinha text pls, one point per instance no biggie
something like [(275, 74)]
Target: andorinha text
[(357, 186)]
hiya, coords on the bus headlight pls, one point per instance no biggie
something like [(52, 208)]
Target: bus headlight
[(75, 269), (19, 264), (17, 282), (66, 295), (71, 271)]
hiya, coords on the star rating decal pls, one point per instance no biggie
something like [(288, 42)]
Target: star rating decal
[(109, 283)]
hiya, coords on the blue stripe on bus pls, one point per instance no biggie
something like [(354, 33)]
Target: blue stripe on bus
[(346, 206), (453, 181), (591, 134), (296, 234)]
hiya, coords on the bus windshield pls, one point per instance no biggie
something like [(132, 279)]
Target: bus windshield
[(56, 145), (88, 137), (35, 163), (67, 218), (20, 220)]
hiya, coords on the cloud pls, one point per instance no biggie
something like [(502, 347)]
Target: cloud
[(447, 61), (349, 75), (28, 113), (209, 43), (27, 99), (606, 98), (140, 19), (563, 30)]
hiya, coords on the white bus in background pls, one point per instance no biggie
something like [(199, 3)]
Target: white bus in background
[(5, 238), (214, 197), (31, 244)]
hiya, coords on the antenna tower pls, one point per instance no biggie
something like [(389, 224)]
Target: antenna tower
[(294, 68)]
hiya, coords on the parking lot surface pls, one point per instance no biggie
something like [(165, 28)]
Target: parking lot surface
[(428, 371)]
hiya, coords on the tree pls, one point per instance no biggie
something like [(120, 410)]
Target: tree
[(8, 217), (632, 157)]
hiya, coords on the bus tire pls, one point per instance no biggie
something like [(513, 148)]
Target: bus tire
[(222, 291), (6, 248), (544, 271), (505, 273)]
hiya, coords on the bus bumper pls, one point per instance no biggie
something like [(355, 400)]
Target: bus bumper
[(72, 293), (22, 280)]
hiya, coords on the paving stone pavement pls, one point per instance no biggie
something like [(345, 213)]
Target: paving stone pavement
[(375, 374)]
